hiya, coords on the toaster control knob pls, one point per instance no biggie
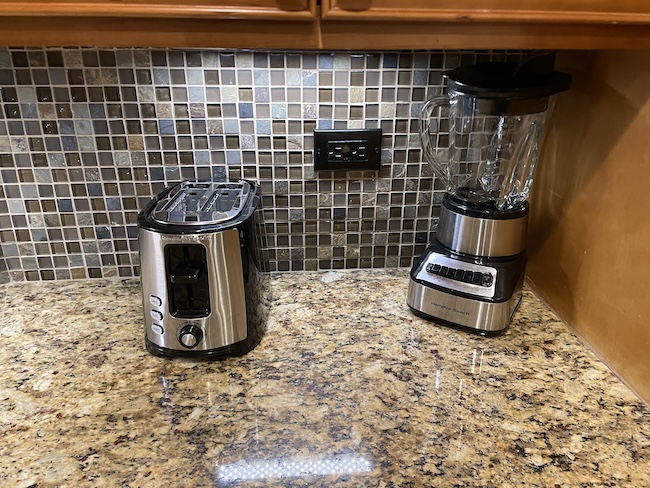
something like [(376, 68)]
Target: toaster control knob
[(190, 336)]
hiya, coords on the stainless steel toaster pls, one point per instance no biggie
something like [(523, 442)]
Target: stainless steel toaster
[(202, 292)]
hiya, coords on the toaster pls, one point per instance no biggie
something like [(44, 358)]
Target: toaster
[(202, 291)]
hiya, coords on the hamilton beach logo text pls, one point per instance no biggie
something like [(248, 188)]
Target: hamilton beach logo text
[(450, 309), (182, 237)]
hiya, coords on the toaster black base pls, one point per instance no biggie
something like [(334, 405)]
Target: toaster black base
[(233, 350)]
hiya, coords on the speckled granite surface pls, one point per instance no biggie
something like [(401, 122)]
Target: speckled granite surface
[(346, 389)]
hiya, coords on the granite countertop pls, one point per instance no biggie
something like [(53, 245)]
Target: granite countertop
[(347, 388)]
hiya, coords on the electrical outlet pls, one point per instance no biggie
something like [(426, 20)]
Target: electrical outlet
[(347, 150)]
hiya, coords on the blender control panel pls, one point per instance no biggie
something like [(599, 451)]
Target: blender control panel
[(453, 274)]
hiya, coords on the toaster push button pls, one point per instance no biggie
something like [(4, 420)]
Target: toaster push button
[(157, 329), (156, 315), (155, 301)]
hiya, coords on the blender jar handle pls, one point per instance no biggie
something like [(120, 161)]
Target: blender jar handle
[(440, 168)]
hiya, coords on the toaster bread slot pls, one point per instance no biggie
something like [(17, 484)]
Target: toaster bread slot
[(189, 294)]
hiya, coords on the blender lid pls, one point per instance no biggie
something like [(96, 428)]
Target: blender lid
[(533, 78), (202, 202)]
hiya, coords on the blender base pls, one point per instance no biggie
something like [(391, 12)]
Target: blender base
[(483, 318), (477, 295)]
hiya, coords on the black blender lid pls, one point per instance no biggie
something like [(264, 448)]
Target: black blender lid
[(532, 78)]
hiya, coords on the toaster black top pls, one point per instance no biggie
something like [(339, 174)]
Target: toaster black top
[(195, 206)]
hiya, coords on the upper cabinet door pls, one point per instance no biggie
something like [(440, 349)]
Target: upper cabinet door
[(520, 11), (214, 9)]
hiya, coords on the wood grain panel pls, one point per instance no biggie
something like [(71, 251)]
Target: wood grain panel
[(470, 35), (589, 238), (134, 32), (232, 9), (530, 11)]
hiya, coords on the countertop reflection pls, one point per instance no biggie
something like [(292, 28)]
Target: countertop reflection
[(347, 388)]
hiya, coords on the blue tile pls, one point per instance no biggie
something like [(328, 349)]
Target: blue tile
[(39, 235), (29, 110), (261, 77), (326, 61), (309, 78), (58, 76), (390, 60), (97, 111), (196, 94), (233, 157), (262, 94), (69, 143), (279, 110), (219, 173), (245, 110), (66, 127), (324, 124), (56, 160), (420, 77), (166, 126), (194, 76), (114, 203), (161, 76), (95, 189), (231, 126), (156, 174), (10, 250), (83, 127), (64, 205), (202, 157), (103, 232), (263, 126)]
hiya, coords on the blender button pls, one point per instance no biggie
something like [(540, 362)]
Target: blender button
[(477, 278), (443, 271), (487, 279), (157, 329), (458, 275), (450, 273), (156, 315), (436, 268), (155, 301), (467, 276)]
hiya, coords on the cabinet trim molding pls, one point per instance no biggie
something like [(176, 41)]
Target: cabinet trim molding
[(299, 10), (570, 11)]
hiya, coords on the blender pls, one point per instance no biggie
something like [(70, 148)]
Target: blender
[(482, 139)]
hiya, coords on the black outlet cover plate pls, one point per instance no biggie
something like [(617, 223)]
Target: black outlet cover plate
[(347, 150)]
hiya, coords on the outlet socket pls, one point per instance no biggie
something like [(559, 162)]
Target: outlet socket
[(347, 150)]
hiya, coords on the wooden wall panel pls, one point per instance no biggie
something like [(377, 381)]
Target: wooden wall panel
[(589, 236)]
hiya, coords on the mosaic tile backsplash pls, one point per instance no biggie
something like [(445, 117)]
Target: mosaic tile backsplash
[(88, 136)]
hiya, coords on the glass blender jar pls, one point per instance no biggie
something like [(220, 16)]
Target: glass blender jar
[(471, 275)]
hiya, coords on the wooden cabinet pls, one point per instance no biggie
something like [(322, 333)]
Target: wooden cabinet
[(161, 23), (330, 24), (486, 24), (529, 11), (214, 9)]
